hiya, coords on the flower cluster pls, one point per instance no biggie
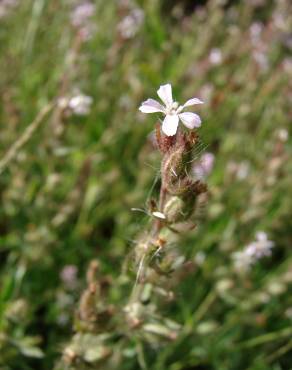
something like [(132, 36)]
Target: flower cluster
[(80, 19), (78, 104), (261, 247), (129, 25), (172, 110), (6, 6)]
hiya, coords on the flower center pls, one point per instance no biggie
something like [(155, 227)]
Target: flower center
[(173, 108)]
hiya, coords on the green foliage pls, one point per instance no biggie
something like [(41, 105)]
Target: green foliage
[(68, 191)]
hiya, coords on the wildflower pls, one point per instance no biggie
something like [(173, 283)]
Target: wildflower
[(283, 134), (81, 14), (205, 165), (261, 59), (80, 19), (215, 56), (261, 247), (172, 110), (80, 104), (254, 251), (242, 261), (255, 32), (239, 169), (200, 258), (130, 25), (69, 276), (6, 6)]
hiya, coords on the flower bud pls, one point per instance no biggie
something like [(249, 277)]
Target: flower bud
[(177, 210)]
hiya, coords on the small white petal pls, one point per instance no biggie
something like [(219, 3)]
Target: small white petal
[(169, 125), (159, 215), (261, 236), (151, 106), (193, 101), (165, 94), (190, 120)]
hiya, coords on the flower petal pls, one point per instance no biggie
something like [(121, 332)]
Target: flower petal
[(169, 125), (151, 106), (159, 215), (190, 120), (261, 236), (165, 94), (193, 101)]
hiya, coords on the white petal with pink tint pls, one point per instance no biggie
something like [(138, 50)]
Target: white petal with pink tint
[(151, 106), (172, 110), (190, 120), (169, 125), (193, 101), (165, 94)]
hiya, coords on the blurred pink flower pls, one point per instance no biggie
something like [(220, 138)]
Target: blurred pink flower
[(69, 276), (6, 6), (80, 19), (261, 247), (205, 165), (78, 104), (129, 26), (82, 13)]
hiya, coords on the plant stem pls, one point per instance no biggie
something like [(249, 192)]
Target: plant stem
[(24, 138)]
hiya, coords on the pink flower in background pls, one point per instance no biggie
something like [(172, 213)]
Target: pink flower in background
[(69, 276), (129, 26), (82, 13), (261, 247), (80, 19), (6, 6), (205, 165), (172, 111), (78, 104)]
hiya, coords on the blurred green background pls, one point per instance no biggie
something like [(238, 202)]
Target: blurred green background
[(67, 192)]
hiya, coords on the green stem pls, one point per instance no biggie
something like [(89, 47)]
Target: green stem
[(266, 338)]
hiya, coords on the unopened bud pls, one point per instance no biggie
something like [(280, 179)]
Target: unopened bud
[(177, 210)]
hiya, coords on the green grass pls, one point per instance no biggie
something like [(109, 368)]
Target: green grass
[(66, 197)]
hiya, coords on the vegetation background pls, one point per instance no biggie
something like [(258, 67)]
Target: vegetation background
[(67, 189)]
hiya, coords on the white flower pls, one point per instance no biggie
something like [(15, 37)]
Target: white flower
[(80, 104), (81, 19), (261, 247), (172, 110), (215, 56), (81, 14), (242, 261), (283, 134), (130, 25)]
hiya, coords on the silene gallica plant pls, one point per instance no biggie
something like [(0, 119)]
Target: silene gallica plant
[(108, 332)]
